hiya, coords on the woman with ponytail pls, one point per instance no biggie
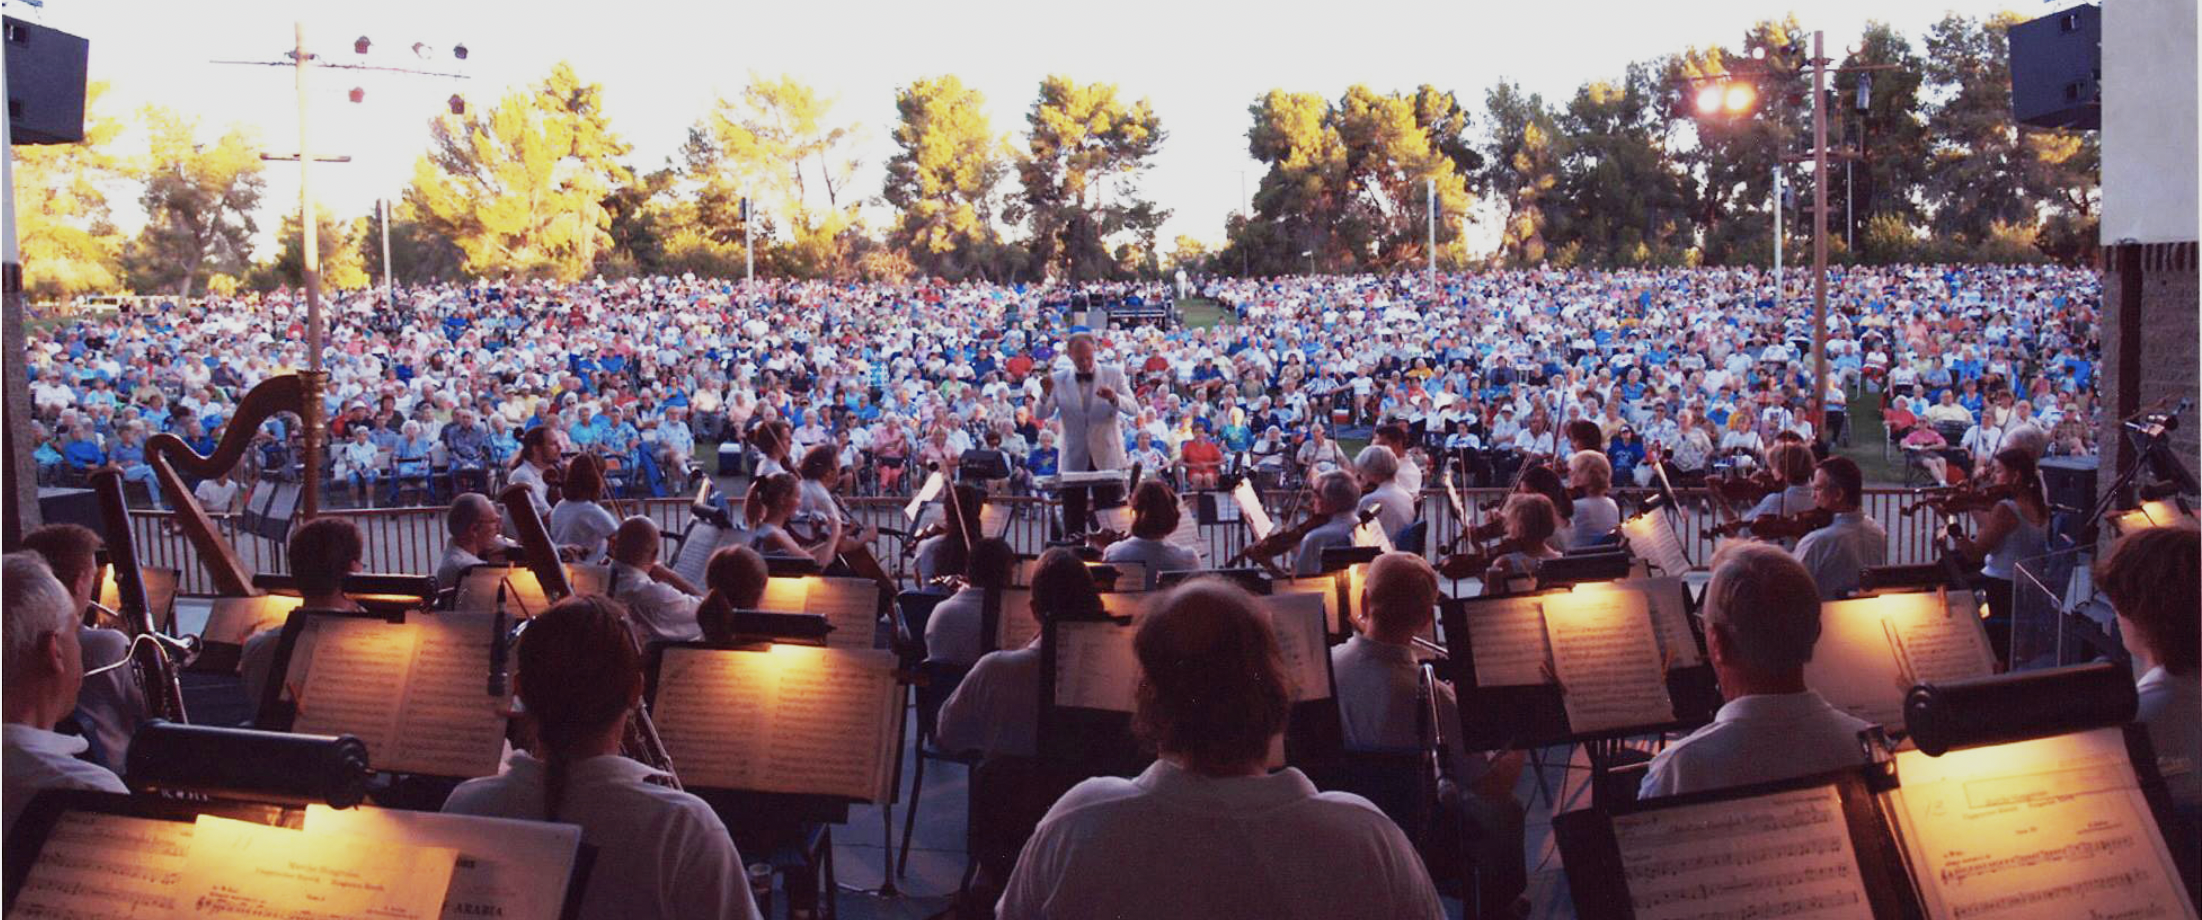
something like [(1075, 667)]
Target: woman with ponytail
[(733, 580), (659, 852), (772, 502)]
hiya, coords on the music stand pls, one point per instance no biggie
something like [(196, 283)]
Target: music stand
[(1573, 570)]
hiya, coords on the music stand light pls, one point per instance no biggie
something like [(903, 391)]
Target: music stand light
[(247, 765), (2014, 707)]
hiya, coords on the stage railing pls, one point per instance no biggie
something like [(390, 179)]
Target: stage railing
[(413, 539)]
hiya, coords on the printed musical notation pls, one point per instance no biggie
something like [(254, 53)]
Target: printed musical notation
[(1187, 534), (511, 869), (443, 723), (1095, 667), (1334, 617), (1782, 855), (101, 865), (1652, 537), (2044, 829), (850, 606), (794, 719), (1507, 638), (1872, 650), (1016, 628), (1297, 621), (241, 869), (1607, 660)]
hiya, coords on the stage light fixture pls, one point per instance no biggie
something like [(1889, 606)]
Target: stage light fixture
[(1739, 98)]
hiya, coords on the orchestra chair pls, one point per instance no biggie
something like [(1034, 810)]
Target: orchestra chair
[(1008, 797), (1413, 537), (937, 681)]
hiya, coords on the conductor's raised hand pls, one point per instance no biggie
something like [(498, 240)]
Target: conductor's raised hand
[(1106, 392)]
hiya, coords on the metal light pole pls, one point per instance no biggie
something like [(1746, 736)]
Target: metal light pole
[(310, 234), (1430, 197), (1777, 235), (749, 248), (1818, 393), (388, 292)]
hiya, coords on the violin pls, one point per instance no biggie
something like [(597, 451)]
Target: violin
[(1101, 537), (1776, 526), (1961, 499), (1475, 562), (1732, 489)]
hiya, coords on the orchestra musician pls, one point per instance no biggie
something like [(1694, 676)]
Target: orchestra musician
[(1088, 399), (1207, 831), (2011, 530), (477, 537), (660, 603), (774, 439), (1336, 498), (322, 553), (946, 551), (1790, 459), (1762, 618), (1155, 516), (2153, 578), (996, 709), (43, 669), (1378, 468), (111, 705), (1840, 552), (771, 505), (736, 577), (1595, 515), (536, 465), (579, 520), (1543, 480), (1377, 677), (660, 852), (1393, 437), (953, 632), (820, 469), (1530, 523)]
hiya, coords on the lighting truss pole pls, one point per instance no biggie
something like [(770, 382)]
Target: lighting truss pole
[(310, 416), (1431, 209), (1777, 234), (1818, 394)]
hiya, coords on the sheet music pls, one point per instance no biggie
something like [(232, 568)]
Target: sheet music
[(1667, 602), (696, 549), (1118, 519), (2045, 829), (1015, 628), (931, 490), (1325, 585), (241, 869), (160, 590), (1297, 621), (447, 723), (415, 693), (355, 667), (1130, 576), (232, 620), (791, 718), (101, 865), (1095, 667), (1938, 645), (1250, 508), (994, 520), (512, 869), (1506, 637), (1126, 604), (850, 605), (1783, 855), (1652, 537), (1608, 661), (1187, 534)]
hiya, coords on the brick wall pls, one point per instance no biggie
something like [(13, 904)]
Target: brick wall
[(2150, 345)]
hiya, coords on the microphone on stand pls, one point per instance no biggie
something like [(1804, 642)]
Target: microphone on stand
[(499, 675)]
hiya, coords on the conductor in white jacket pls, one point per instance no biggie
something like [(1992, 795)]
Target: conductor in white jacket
[(1088, 399)]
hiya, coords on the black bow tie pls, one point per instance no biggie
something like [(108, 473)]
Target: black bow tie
[(1084, 378)]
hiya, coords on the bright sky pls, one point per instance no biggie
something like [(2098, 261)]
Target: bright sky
[(662, 63)]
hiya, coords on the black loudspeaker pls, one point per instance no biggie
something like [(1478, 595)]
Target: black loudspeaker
[(71, 506), (45, 83), (2057, 70)]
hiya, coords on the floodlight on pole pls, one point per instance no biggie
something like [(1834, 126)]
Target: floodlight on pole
[(1739, 98), (1709, 99)]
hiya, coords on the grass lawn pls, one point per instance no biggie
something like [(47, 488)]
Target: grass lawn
[(1867, 436), (1201, 313)]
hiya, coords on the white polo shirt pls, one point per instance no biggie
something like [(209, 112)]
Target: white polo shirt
[(2171, 707), (996, 710), (664, 613), (952, 631), (659, 852), (1758, 739), (1173, 844), (35, 760)]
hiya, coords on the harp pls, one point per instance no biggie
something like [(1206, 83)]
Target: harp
[(172, 459)]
